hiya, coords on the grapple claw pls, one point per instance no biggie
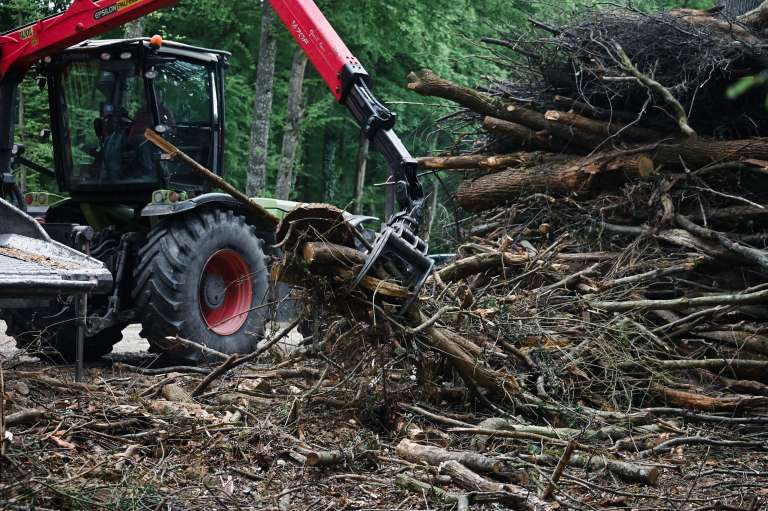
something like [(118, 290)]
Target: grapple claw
[(403, 253)]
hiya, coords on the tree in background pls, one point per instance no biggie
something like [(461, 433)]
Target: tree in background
[(292, 133), (262, 106)]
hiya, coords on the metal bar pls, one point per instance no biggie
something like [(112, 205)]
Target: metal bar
[(81, 312), (42, 287)]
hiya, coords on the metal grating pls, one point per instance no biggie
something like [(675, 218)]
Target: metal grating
[(733, 8)]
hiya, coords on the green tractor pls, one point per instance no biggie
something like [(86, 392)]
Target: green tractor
[(184, 261)]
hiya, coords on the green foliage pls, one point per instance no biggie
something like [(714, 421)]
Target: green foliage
[(748, 83), (390, 38)]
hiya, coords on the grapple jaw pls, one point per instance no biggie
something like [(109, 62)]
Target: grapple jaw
[(401, 254)]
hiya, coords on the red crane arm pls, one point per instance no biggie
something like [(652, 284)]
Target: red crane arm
[(349, 83), (323, 46), (83, 20)]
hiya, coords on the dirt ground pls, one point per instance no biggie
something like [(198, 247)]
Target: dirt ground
[(131, 437)]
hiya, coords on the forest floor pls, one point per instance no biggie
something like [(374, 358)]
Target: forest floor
[(287, 435)]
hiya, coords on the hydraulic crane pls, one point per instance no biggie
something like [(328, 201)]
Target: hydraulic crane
[(109, 167)]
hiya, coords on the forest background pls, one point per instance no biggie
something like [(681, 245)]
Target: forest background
[(391, 38)]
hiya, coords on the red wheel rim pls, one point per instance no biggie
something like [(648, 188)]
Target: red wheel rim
[(225, 292)]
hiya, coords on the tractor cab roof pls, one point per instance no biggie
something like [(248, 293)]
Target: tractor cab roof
[(168, 48)]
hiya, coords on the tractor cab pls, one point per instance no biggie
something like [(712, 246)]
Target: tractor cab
[(105, 93)]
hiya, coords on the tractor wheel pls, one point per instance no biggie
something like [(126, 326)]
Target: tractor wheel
[(57, 343), (204, 277)]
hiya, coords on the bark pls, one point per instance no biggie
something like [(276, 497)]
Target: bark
[(748, 341), (480, 263), (696, 153), (498, 384), (24, 417), (659, 90), (753, 255), (292, 133), (325, 458), (512, 495), (253, 210), (362, 164), (424, 489), (565, 459), (330, 170), (318, 254), (434, 456), (738, 386), (684, 303), (477, 161), (607, 129), (468, 479), (708, 403), (579, 175), (517, 135), (262, 107), (627, 471)]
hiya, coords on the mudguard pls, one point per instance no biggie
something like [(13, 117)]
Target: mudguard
[(277, 207)]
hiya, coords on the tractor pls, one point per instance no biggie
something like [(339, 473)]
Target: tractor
[(184, 261)]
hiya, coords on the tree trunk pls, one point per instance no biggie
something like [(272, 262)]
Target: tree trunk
[(262, 107), (292, 134), (330, 172), (425, 230), (134, 29), (362, 164)]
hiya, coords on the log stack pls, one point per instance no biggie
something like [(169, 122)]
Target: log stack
[(616, 244)]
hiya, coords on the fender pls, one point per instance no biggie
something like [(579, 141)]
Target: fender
[(277, 207), (159, 210)]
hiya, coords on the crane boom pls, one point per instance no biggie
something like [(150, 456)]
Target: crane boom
[(83, 20)]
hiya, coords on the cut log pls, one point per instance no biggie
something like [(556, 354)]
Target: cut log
[(603, 128), (517, 135), (318, 254), (748, 341), (579, 175), (24, 417), (417, 453), (468, 479), (477, 161), (480, 263), (497, 383), (684, 303), (739, 386), (695, 153)]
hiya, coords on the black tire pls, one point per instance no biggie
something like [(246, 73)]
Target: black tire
[(58, 342), (174, 269)]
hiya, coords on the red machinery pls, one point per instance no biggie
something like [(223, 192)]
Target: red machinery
[(342, 72)]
